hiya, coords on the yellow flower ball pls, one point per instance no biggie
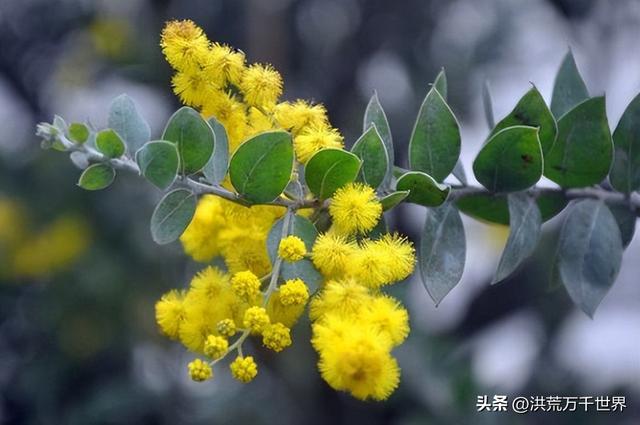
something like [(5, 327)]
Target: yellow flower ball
[(300, 114), (332, 252), (294, 292), (226, 327), (170, 313), (199, 371), (313, 138), (256, 319), (276, 337), (184, 45), (261, 85), (355, 209), (246, 285), (342, 297), (292, 249), (244, 369), (215, 346), (387, 315)]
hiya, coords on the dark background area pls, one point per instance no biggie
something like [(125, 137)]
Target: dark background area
[(78, 342)]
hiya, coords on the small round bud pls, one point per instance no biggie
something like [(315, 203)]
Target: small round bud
[(292, 248), (276, 337), (244, 369), (226, 327), (256, 319), (200, 371), (215, 346), (294, 292), (246, 285)]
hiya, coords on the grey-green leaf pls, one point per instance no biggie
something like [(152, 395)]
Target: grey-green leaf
[(487, 104), (97, 177), (626, 219), (532, 111), (434, 147), (109, 143), (442, 251), (261, 167), (158, 162), (193, 137), (510, 161), (330, 169), (78, 132), (423, 189), (216, 168), (589, 253), (374, 114), (583, 151), (440, 84), (375, 160), (569, 88), (525, 223), (125, 119), (172, 215), (393, 199), (625, 172)]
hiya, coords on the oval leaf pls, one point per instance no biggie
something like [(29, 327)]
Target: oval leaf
[(78, 132), (96, 177), (532, 111), (374, 114), (423, 189), (582, 153), (442, 251), (626, 219), (393, 199), (125, 119), (330, 169), (261, 167), (525, 222), (172, 215), (375, 162), (193, 138), (494, 208), (589, 253), (569, 88), (625, 172), (158, 162), (109, 143), (510, 161), (434, 147), (216, 168)]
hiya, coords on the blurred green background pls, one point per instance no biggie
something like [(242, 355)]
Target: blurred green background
[(79, 274)]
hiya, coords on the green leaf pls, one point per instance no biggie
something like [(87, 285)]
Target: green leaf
[(626, 219), (459, 173), (487, 104), (304, 268), (440, 84), (125, 119), (510, 161), (393, 199), (525, 223), (158, 162), (109, 143), (434, 147), (193, 137), (216, 168), (78, 132), (261, 167), (96, 177), (330, 169), (589, 253), (494, 208), (569, 88), (442, 251), (583, 151), (374, 114), (375, 162), (172, 215), (625, 172), (423, 189), (532, 111)]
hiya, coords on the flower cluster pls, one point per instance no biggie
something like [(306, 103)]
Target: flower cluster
[(355, 325)]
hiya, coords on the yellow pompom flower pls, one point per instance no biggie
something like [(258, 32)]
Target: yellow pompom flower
[(400, 254), (245, 284), (244, 369), (276, 337), (314, 138), (215, 346), (300, 114), (292, 249), (332, 252), (261, 85), (208, 283), (225, 64), (170, 313), (193, 87), (355, 358), (387, 315), (256, 319), (355, 209), (226, 327), (342, 297), (201, 238), (200, 371), (184, 45), (386, 260), (294, 292)]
